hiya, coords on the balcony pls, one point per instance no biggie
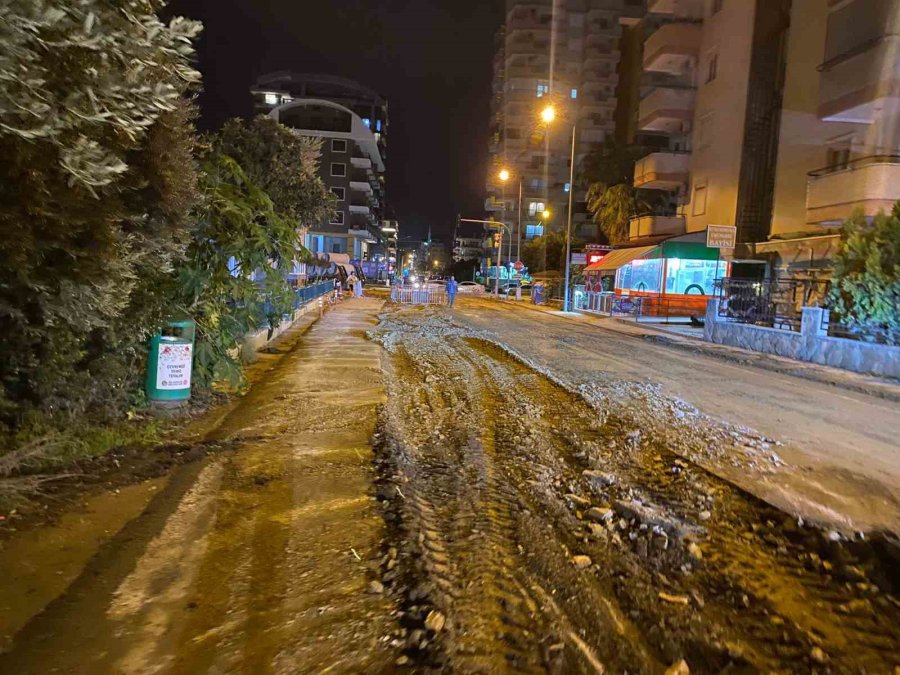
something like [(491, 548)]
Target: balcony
[(361, 162), (673, 48), (853, 85), (688, 9), (870, 184), (361, 186), (662, 171), (652, 225), (360, 208), (667, 109)]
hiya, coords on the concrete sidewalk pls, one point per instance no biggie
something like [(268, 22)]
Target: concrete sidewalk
[(265, 563)]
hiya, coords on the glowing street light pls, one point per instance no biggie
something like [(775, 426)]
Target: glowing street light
[(548, 114), (546, 214), (503, 175)]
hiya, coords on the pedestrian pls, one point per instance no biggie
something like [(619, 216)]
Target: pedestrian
[(357, 288), (452, 287), (351, 283)]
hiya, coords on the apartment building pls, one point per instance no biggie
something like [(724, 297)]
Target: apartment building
[(780, 118), (839, 145), (352, 122), (562, 52)]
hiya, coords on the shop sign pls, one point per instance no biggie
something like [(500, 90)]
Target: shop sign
[(579, 258), (721, 236)]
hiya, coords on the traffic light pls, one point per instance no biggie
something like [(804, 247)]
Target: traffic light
[(497, 238)]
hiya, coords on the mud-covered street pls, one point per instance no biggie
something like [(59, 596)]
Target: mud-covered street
[(476, 490), (560, 531)]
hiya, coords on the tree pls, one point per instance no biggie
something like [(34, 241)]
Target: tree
[(613, 207), (547, 252), (92, 136), (865, 292), (608, 174), (282, 164), (236, 267)]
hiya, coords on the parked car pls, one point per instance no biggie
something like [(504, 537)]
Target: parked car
[(470, 288)]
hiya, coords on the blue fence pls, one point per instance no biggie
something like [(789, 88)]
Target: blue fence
[(302, 296)]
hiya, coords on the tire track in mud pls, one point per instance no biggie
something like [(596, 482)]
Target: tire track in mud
[(481, 461)]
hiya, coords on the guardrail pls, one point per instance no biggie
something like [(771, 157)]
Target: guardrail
[(418, 296), (302, 296)]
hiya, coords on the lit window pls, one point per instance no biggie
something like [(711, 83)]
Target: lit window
[(543, 89), (271, 99), (378, 126), (535, 208), (567, 187), (574, 93), (367, 122), (532, 231)]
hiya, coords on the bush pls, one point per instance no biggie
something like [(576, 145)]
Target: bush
[(865, 292)]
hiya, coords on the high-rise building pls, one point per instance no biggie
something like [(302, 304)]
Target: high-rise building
[(352, 121), (779, 117), (562, 52)]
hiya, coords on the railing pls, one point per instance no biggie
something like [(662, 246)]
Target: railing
[(662, 309), (418, 296), (302, 296), (608, 303), (773, 303), (855, 164)]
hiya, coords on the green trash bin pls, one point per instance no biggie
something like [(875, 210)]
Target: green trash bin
[(170, 363)]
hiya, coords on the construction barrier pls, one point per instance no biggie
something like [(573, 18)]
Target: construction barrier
[(418, 296)]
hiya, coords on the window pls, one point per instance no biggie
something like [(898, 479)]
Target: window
[(717, 6), (367, 122), (535, 208), (378, 126), (712, 66), (704, 131), (338, 145), (542, 89), (698, 203), (337, 218), (271, 99), (838, 157), (567, 187), (339, 192), (574, 93), (532, 231), (335, 247), (338, 169), (536, 183)]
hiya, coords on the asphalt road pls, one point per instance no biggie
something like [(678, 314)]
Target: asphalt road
[(843, 444)]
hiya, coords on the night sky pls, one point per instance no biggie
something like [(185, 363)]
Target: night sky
[(432, 59)]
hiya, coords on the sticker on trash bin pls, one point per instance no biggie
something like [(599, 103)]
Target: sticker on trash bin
[(173, 369)]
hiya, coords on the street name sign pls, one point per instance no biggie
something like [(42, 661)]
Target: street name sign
[(721, 236)]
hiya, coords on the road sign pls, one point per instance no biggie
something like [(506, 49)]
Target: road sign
[(519, 266), (721, 236), (579, 258)]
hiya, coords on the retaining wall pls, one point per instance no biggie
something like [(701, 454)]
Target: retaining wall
[(811, 344)]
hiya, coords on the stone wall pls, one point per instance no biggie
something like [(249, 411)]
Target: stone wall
[(811, 344)]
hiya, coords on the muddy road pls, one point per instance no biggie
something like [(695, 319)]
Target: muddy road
[(533, 528)]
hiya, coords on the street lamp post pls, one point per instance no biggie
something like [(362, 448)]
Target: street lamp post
[(548, 115)]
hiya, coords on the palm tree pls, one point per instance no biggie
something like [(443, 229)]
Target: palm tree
[(612, 207)]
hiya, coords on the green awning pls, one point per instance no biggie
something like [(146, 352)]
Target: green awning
[(685, 250)]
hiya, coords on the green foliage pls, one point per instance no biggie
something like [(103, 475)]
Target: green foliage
[(613, 207), (282, 164), (240, 254), (547, 252), (95, 188), (865, 291)]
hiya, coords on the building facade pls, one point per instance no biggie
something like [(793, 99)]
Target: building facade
[(352, 122), (780, 118), (561, 52)]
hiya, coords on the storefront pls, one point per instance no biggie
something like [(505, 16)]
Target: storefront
[(677, 275)]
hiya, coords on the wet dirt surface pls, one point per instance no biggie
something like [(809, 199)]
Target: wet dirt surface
[(258, 560), (533, 528)]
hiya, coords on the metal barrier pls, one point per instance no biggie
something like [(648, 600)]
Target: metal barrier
[(610, 304), (302, 296), (418, 296), (773, 303)]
